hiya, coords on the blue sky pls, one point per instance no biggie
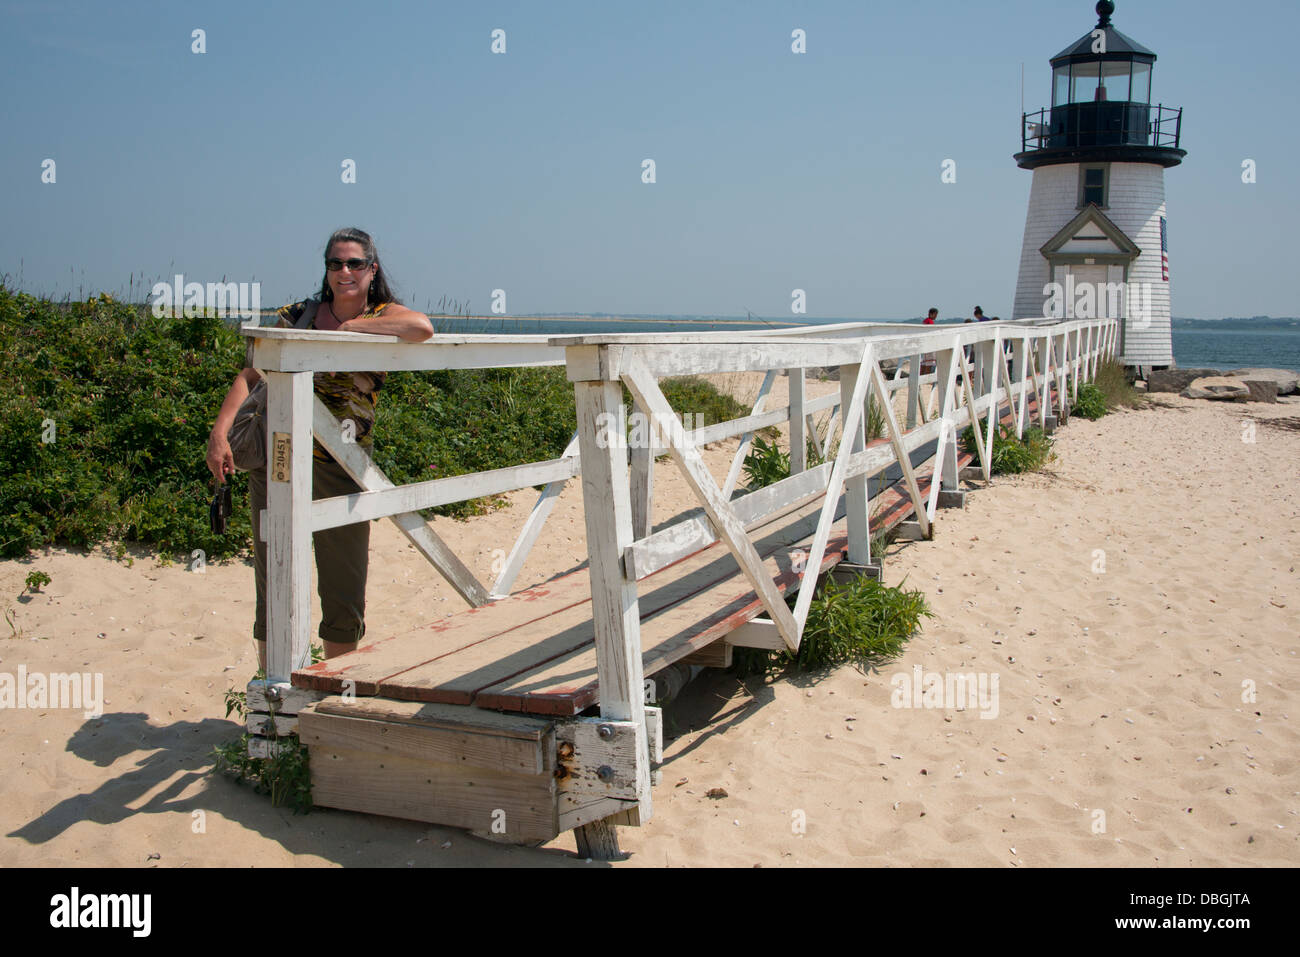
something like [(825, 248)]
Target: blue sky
[(522, 171)]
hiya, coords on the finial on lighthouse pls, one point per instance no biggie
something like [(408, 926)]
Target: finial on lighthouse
[(1104, 9)]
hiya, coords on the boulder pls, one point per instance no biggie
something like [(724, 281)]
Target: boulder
[(1287, 382), (1176, 380), (1217, 387), (1261, 390)]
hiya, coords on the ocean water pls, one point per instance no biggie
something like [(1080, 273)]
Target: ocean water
[(1236, 349)]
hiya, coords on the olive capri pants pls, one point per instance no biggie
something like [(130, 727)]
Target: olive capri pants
[(342, 555)]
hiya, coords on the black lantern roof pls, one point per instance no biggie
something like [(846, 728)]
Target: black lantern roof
[(1117, 46), (1101, 106)]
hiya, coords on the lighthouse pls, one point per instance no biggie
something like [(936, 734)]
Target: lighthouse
[(1096, 233)]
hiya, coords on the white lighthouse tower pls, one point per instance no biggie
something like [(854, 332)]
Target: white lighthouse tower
[(1096, 226)]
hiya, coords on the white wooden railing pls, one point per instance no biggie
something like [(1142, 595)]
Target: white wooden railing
[(1049, 358)]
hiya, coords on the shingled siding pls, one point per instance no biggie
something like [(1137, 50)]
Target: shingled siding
[(1136, 203)]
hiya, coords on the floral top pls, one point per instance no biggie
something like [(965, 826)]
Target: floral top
[(348, 395)]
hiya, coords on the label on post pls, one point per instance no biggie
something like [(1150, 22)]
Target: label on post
[(281, 446)]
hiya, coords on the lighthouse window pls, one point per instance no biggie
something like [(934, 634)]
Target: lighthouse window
[(1114, 80), (1083, 82), (1092, 186), (1141, 83), (1061, 85)]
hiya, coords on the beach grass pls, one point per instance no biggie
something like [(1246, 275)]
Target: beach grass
[(1011, 454), (861, 621), (1113, 381)]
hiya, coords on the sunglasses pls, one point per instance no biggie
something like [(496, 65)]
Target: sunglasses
[(334, 265)]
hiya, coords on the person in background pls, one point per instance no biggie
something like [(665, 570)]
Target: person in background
[(927, 361), (979, 315)]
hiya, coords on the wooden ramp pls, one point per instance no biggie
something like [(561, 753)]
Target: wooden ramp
[(534, 652), (487, 719), (414, 724)]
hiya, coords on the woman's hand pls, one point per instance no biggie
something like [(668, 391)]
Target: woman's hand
[(220, 459)]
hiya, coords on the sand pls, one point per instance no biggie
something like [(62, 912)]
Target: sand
[(1126, 732)]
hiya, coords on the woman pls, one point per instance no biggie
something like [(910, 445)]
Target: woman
[(354, 297)]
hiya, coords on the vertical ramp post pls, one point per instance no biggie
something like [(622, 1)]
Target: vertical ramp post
[(798, 422), (1019, 373), (855, 489), (616, 619), (288, 523), (945, 380), (1063, 370), (643, 474), (913, 389)]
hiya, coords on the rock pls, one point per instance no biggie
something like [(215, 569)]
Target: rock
[(1176, 380), (1217, 387), (1287, 382), (1261, 390)]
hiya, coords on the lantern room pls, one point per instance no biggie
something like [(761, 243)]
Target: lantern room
[(1101, 101)]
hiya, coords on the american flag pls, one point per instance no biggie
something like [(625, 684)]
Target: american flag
[(1164, 250)]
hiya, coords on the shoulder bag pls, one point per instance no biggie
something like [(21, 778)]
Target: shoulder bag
[(248, 432)]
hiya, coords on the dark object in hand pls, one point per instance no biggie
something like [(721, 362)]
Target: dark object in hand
[(219, 510)]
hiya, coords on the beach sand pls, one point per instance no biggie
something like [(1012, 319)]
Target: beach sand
[(1126, 732)]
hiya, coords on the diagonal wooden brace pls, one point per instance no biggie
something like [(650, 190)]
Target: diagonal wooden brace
[(371, 477)]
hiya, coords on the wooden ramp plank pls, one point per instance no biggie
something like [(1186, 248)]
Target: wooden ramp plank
[(456, 679), (568, 685), (374, 661)]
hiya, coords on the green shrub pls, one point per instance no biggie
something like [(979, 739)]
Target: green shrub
[(1091, 403), (105, 422), (450, 422), (765, 464), (1013, 455), (861, 621), (286, 776), (104, 428), (35, 580), (692, 395)]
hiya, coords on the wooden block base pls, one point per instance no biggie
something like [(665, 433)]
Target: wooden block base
[(845, 572), (952, 499), (910, 532)]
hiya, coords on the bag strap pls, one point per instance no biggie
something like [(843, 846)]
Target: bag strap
[(308, 315)]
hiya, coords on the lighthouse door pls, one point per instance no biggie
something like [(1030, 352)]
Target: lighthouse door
[(1090, 283), (1092, 291)]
